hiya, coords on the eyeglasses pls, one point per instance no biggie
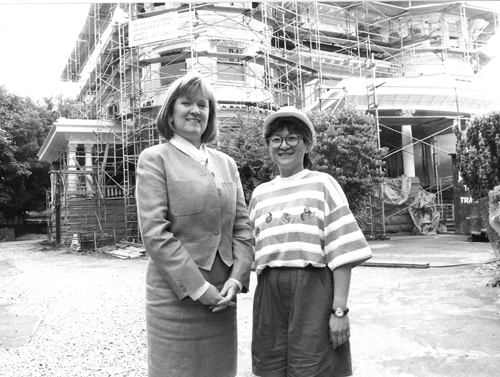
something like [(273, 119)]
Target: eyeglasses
[(276, 141)]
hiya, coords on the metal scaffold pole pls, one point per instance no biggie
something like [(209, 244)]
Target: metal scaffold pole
[(259, 56), (373, 105)]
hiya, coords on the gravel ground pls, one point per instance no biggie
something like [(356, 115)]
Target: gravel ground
[(86, 311), (72, 315)]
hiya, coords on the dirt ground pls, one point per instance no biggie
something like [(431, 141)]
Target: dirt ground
[(65, 314)]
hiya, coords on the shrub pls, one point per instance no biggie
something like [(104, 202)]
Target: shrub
[(478, 154), (347, 150), (245, 144)]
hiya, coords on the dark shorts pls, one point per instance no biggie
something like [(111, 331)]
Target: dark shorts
[(290, 338)]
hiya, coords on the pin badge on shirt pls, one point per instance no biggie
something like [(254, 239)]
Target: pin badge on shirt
[(286, 218), (307, 214), (269, 217)]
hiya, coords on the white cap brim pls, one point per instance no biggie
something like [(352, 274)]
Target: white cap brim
[(289, 111)]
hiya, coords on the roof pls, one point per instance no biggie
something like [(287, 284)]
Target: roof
[(78, 131), (435, 96)]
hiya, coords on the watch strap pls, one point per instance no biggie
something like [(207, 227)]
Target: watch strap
[(344, 311)]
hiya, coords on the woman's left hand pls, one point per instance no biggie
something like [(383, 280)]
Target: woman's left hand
[(229, 291), (340, 330)]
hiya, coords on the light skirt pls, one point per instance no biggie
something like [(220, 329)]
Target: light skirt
[(185, 339)]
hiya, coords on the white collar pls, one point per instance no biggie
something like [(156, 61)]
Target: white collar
[(293, 178), (200, 155)]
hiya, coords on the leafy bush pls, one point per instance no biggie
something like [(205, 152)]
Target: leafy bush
[(245, 144), (347, 150), (478, 154)]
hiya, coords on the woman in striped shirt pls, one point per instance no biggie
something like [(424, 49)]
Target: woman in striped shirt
[(306, 243)]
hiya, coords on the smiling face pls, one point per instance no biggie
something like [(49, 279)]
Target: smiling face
[(190, 117), (290, 160)]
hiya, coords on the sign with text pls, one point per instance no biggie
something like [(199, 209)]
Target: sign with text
[(152, 29)]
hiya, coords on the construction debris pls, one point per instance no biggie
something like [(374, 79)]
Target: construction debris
[(126, 250)]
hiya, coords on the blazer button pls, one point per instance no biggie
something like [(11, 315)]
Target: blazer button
[(216, 231), (182, 287)]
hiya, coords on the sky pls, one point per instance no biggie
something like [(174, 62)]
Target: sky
[(36, 40), (37, 37)]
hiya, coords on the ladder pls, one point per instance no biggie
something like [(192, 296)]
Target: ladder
[(371, 89)]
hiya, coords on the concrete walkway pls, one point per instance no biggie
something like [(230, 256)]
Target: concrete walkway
[(440, 320), (443, 250), (437, 319)]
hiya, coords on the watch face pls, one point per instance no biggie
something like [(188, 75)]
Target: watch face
[(339, 312)]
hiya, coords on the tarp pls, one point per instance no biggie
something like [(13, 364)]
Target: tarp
[(396, 190), (421, 204), (424, 213)]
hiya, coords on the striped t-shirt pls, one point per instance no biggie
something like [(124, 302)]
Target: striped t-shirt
[(305, 219)]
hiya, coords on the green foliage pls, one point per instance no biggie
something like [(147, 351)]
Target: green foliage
[(478, 154), (347, 150), (23, 179), (245, 144), (65, 107)]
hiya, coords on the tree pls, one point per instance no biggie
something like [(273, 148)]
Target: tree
[(245, 144), (64, 107), (478, 160), (347, 150), (478, 154), (24, 125)]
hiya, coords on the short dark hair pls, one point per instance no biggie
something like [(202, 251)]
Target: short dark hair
[(294, 126), (188, 85)]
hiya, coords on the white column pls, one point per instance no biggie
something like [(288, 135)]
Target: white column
[(52, 185), (72, 178), (408, 155), (89, 183)]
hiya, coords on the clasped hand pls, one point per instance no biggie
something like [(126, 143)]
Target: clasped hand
[(217, 301)]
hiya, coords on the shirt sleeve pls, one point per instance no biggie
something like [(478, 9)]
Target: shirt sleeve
[(345, 243), (200, 291)]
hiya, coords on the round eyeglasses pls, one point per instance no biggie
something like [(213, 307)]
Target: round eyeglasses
[(276, 141)]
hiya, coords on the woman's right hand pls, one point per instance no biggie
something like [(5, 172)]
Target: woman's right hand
[(211, 297)]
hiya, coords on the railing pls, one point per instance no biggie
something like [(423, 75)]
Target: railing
[(114, 192)]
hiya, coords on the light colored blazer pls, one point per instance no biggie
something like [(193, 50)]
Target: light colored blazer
[(187, 213)]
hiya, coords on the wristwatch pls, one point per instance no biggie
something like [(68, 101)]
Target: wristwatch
[(339, 312)]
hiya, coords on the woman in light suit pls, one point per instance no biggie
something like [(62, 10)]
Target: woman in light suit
[(195, 228)]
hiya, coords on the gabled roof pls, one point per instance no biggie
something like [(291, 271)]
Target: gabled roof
[(78, 131)]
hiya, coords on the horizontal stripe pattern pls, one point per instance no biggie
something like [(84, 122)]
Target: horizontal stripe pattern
[(288, 263), (305, 219)]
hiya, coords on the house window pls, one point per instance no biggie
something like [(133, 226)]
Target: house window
[(230, 68)]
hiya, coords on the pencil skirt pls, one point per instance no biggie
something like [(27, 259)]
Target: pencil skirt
[(184, 337)]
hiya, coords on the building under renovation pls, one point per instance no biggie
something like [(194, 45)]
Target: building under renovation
[(413, 65)]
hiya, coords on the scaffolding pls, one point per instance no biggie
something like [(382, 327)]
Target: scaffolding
[(259, 56)]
